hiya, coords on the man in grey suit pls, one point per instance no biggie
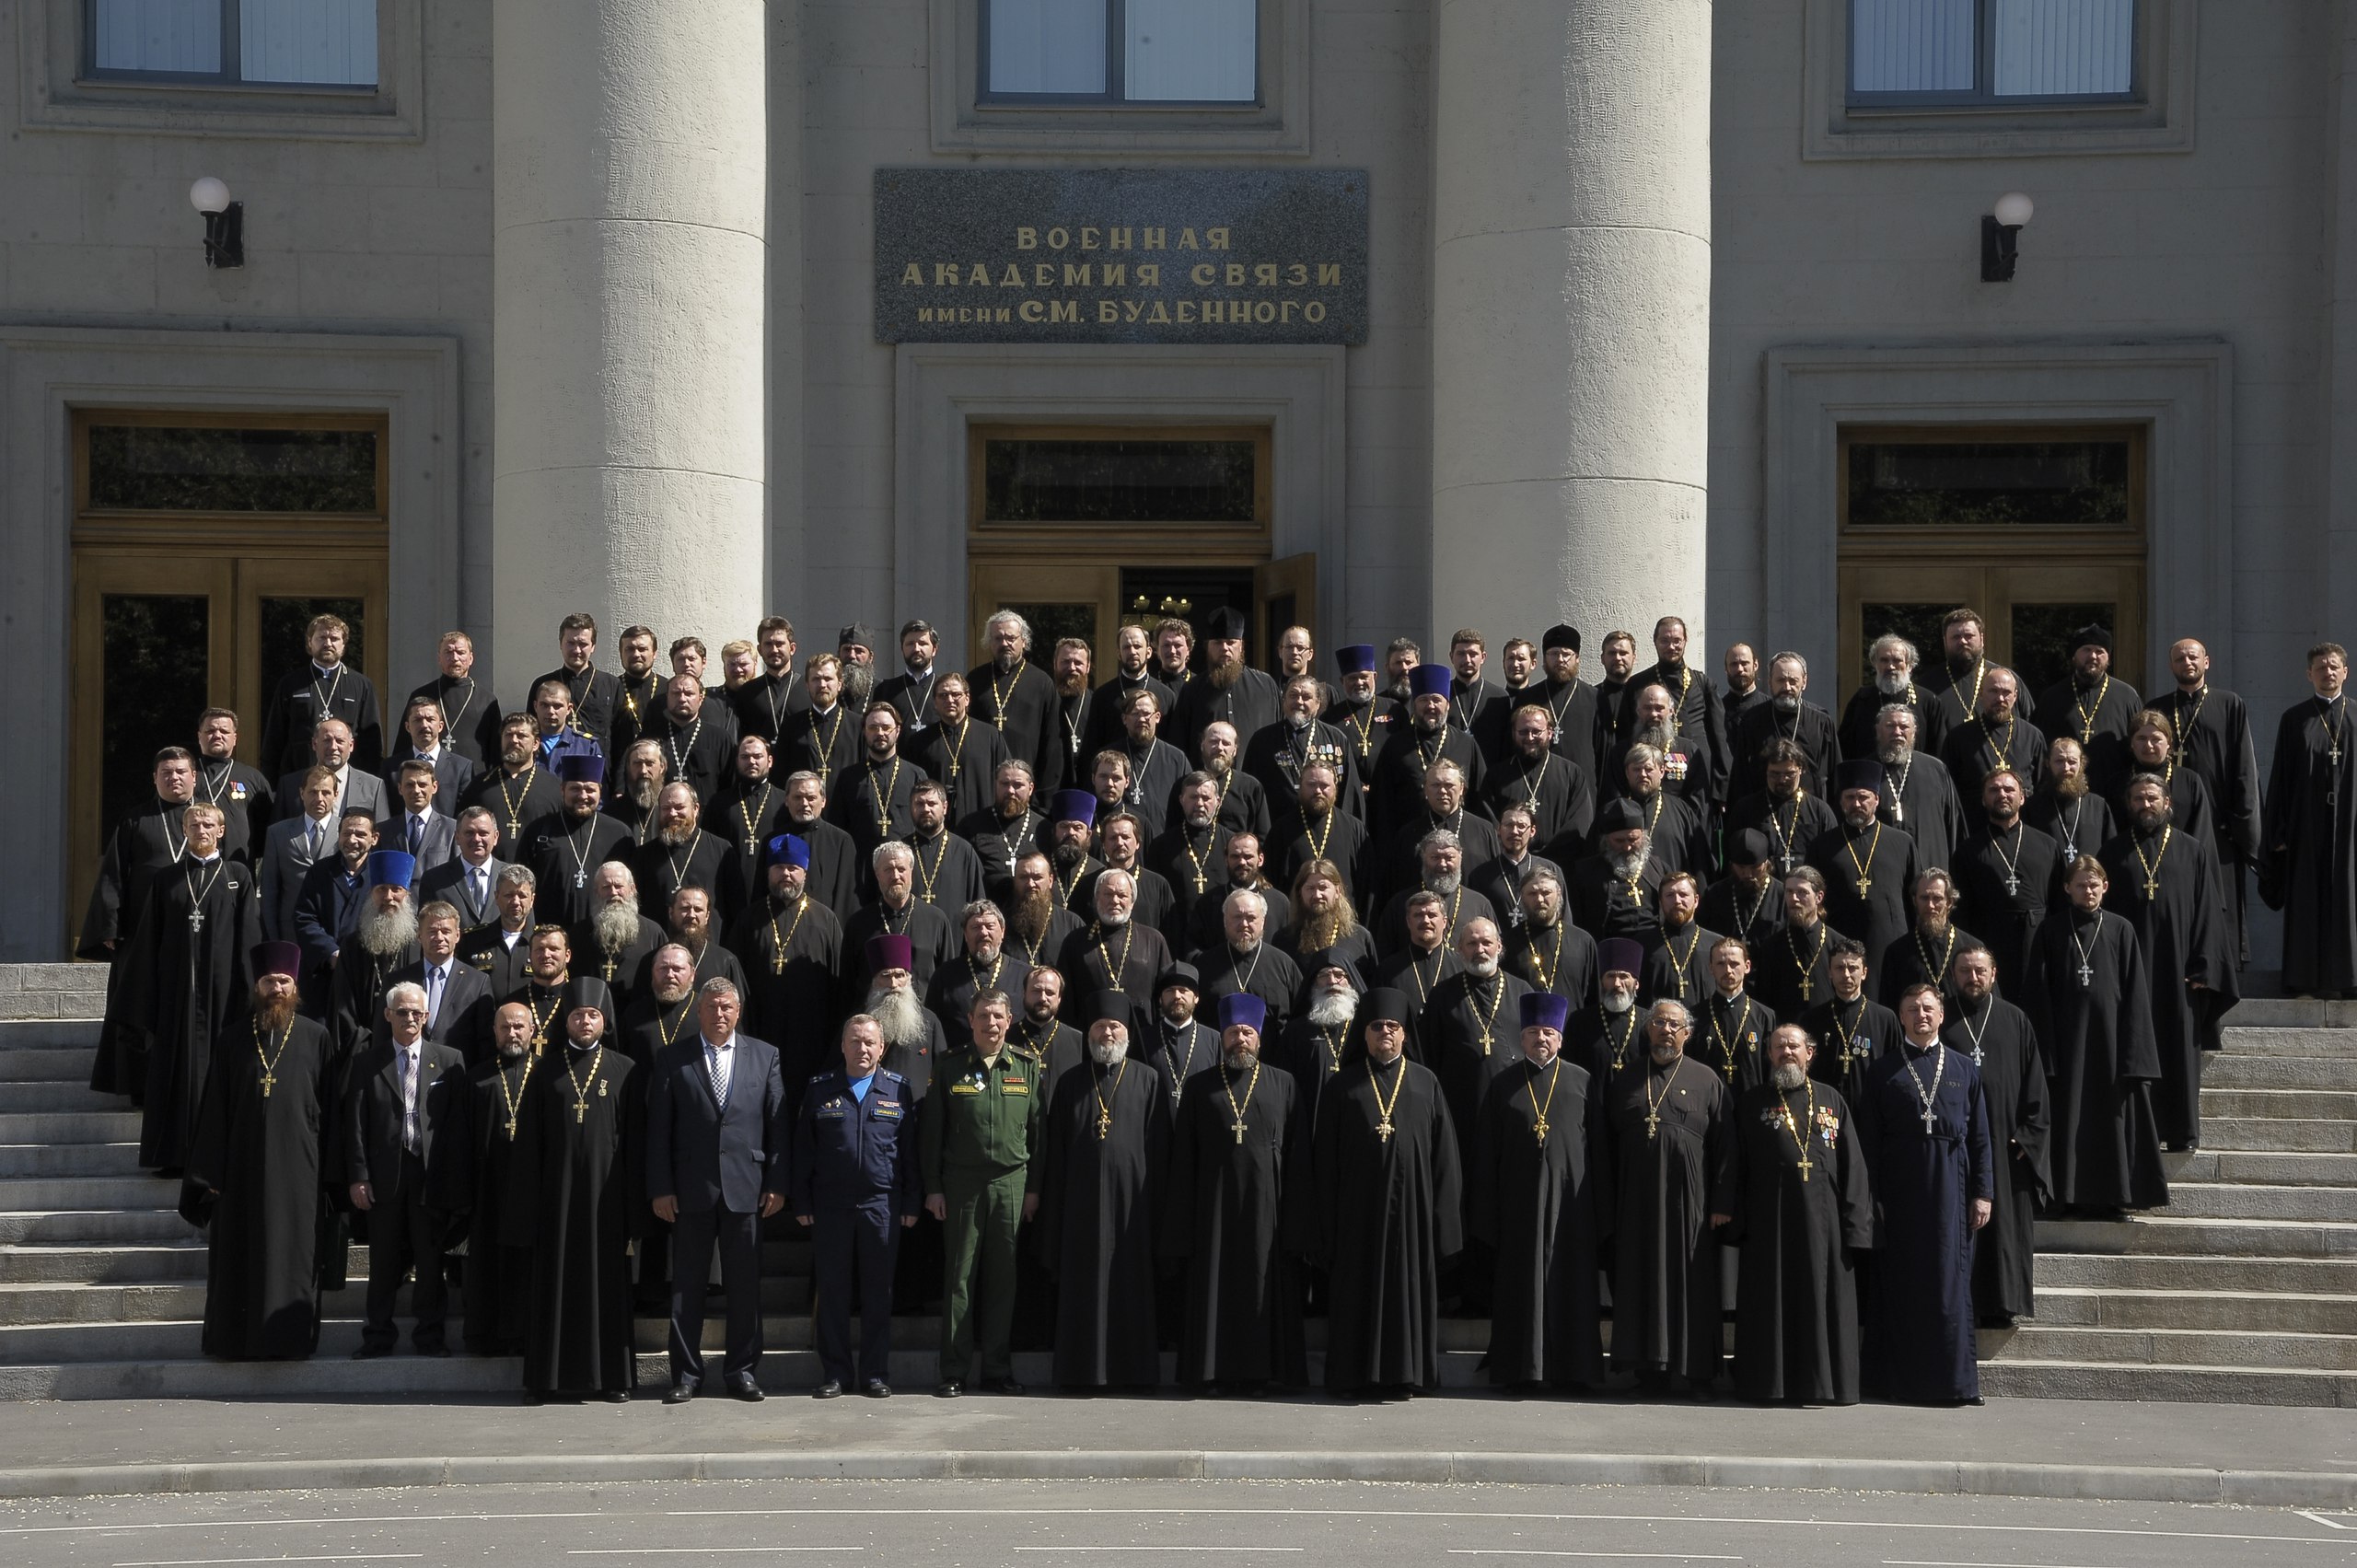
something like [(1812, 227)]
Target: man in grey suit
[(332, 750), (290, 848), (424, 834), (422, 726), (716, 1166), (468, 879)]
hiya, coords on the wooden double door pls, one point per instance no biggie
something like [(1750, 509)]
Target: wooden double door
[(1091, 591), (2033, 608)]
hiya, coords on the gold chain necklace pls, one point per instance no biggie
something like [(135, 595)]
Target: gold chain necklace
[(2086, 719), (1655, 1102), (581, 1088), (1104, 1109), (777, 958), (1676, 964), (1727, 1045), (752, 814), (1628, 1034), (1947, 953), (2152, 867), (1800, 1139), (514, 1102), (1383, 1127), (1865, 868), (269, 1079), (1113, 970), (1530, 1086), (1806, 965), (1228, 1085), (1497, 999)]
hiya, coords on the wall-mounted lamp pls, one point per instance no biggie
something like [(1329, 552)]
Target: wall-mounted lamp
[(225, 223), (1998, 232)]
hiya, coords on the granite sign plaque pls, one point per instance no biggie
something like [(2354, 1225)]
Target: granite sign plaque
[(1120, 256)]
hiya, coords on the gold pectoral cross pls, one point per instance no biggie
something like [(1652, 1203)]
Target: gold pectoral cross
[(1866, 886), (1806, 1166), (269, 1082), (1237, 1127), (1384, 1130), (1103, 1124), (1540, 1128), (1653, 1123)]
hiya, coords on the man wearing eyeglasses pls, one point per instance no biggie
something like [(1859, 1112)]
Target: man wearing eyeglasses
[(402, 1096)]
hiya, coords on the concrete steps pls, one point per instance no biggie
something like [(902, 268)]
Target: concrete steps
[(2285, 1312)]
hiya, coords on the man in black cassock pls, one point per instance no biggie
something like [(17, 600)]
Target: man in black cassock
[(1869, 868), (1787, 816), (254, 1177), (1993, 735), (382, 943), (321, 688), (1101, 1183), (1786, 715), (1924, 1124), (1467, 1032), (498, 1277), (2074, 815), (1237, 1147), (870, 799), (1570, 701), (145, 845), (2214, 739), (1789, 971), (1794, 1202), (1917, 793), (1668, 1139), (518, 792), (791, 946), (1535, 774), (242, 793), (680, 853), (1998, 1036), (1748, 901), (1605, 1035), (471, 715), (1230, 692), (1539, 1197), (1697, 723), (616, 942), (596, 694), (1276, 754), (2094, 707), (1387, 1207), (2007, 874), (576, 1202), (565, 849), (1396, 786), (2164, 883), (698, 737), (1894, 658), (838, 871), (1929, 949), (2091, 1004), (2309, 834), (1731, 1025), (1012, 694), (186, 984), (1849, 1029), (963, 752)]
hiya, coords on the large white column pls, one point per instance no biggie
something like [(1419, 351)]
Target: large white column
[(630, 198), (1571, 314)]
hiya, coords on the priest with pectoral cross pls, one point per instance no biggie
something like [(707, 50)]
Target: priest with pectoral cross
[(1238, 1144), (1539, 1195), (1924, 1123), (2308, 834), (1386, 1199), (2164, 884), (1794, 1200), (1666, 1141), (1997, 1036), (566, 852), (1869, 866)]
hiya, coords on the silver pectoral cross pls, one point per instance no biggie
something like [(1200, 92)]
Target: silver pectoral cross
[(196, 919), (2086, 973), (2013, 887), (580, 878), (1927, 1119)]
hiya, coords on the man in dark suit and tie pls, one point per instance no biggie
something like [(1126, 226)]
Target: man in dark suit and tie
[(291, 848), (468, 881), (459, 1002), (716, 1166), (334, 893), (403, 1097), (426, 835)]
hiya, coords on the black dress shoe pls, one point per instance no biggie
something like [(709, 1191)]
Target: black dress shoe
[(682, 1392), (745, 1388), (829, 1390), (949, 1390), (371, 1352), (616, 1396), (1002, 1386), (876, 1389)]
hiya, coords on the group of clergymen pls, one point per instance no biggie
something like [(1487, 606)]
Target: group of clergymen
[(1198, 998)]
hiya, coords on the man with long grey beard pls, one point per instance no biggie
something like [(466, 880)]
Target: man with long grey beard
[(616, 942), (912, 1037), (1317, 1040), (384, 938), (1607, 1038)]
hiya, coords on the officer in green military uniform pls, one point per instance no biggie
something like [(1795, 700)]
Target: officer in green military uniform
[(986, 1114)]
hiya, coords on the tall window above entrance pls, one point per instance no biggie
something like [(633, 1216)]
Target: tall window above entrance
[(2039, 528), (1095, 51)]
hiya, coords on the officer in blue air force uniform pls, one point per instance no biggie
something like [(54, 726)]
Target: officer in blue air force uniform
[(855, 1185)]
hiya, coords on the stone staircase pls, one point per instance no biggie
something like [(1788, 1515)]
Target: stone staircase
[(2245, 1291)]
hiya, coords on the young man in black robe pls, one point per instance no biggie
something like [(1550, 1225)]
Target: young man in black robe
[(1794, 1204), (255, 1177), (1790, 972), (960, 751), (2309, 834), (518, 792), (869, 800), (1387, 1203), (1929, 949), (2091, 1004), (1748, 901), (144, 845), (1869, 868), (1781, 811), (1924, 1124), (596, 694), (2214, 739), (497, 1285), (1668, 1139), (2007, 874), (185, 986), (323, 687), (2094, 707), (1731, 1025), (1849, 1029), (1997, 1036), (576, 1202), (1696, 722), (2164, 884), (1238, 1147), (1678, 965), (1539, 1197)]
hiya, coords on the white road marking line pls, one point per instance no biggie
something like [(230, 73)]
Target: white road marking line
[(216, 1562), (1615, 1556), (1157, 1549), (1554, 1518), (1936, 1562), (2328, 1523), (692, 1551), (251, 1524)]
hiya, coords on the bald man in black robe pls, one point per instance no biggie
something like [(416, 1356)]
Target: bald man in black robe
[(1388, 1205), (2214, 739), (1999, 1038)]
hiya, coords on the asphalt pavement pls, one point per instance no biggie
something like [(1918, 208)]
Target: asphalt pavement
[(1041, 1523)]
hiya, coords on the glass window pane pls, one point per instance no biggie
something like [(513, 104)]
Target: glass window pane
[(1052, 622), (2044, 635), (182, 36), (157, 669), (1152, 593), (1047, 46), (1910, 46), (1991, 483), (1198, 51), (159, 468), (1118, 481), (1919, 623), (2053, 48), (319, 41)]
